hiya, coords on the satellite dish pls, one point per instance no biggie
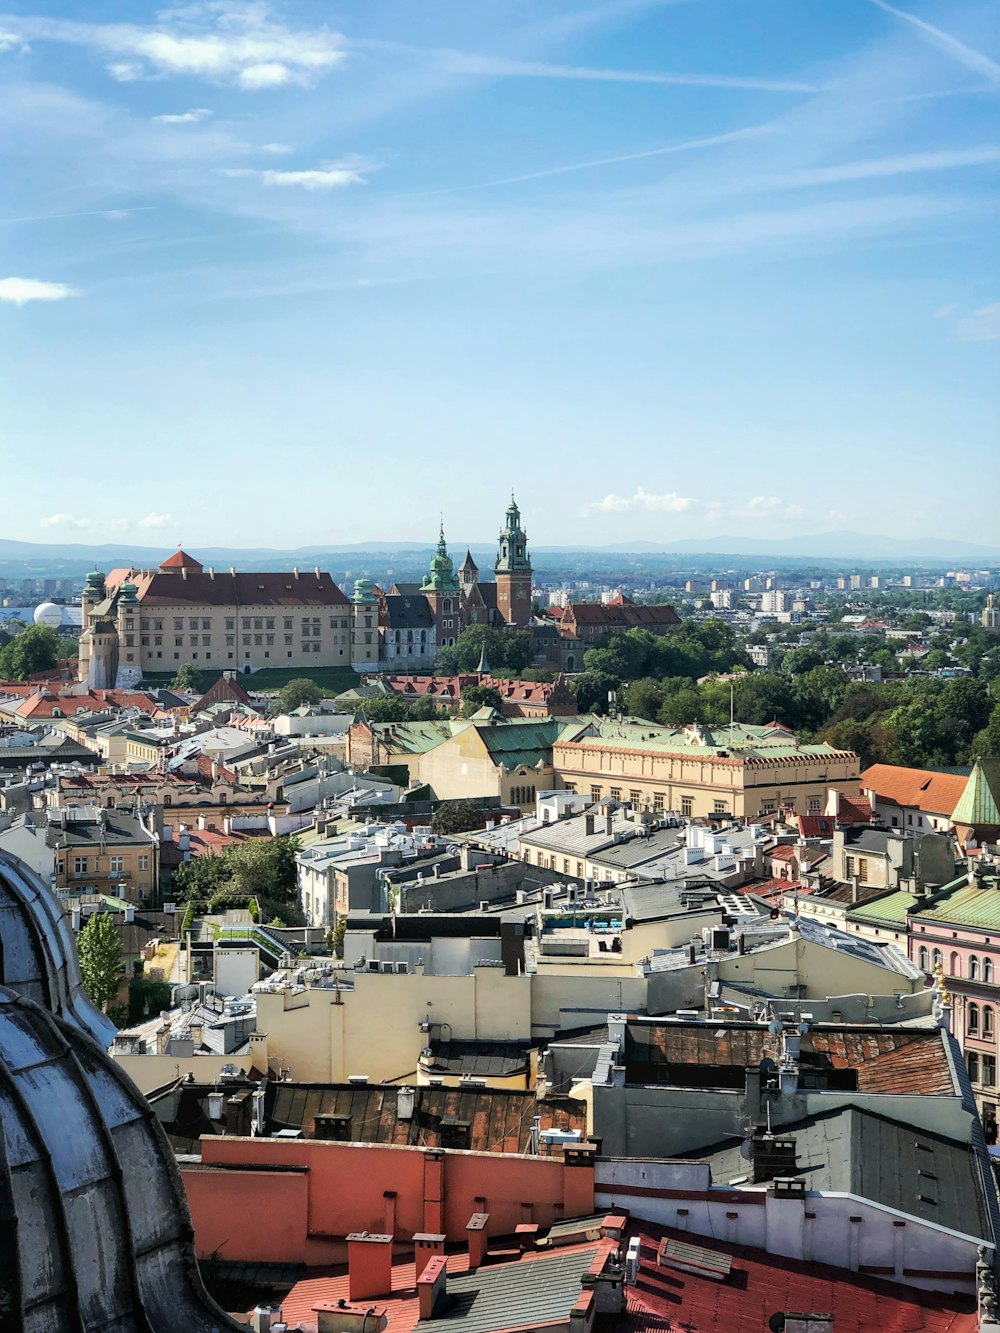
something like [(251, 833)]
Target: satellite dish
[(746, 1150), (777, 1322)]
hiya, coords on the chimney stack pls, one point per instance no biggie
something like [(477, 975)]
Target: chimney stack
[(369, 1265), (588, 821), (432, 1286), (475, 1229)]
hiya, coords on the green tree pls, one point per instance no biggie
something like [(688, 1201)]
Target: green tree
[(644, 698), (385, 708), (188, 677), (592, 688), (506, 649), (986, 745), (33, 650), (100, 948), (298, 692), (458, 816), (265, 868), (475, 697)]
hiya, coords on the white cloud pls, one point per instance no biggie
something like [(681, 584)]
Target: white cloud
[(9, 41), (641, 502), (979, 326), (155, 520), (335, 176), (184, 117), (771, 506), (63, 521), (276, 148), (946, 311), (18, 291), (240, 44)]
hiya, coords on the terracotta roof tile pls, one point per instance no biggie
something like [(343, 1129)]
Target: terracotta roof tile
[(919, 788)]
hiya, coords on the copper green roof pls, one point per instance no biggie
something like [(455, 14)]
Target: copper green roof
[(979, 804), (521, 744), (892, 909), (739, 741), (417, 737), (965, 904)]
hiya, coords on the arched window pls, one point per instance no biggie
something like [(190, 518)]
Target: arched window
[(973, 967), (987, 1020), (987, 969), (954, 964), (922, 958), (937, 957), (972, 1020)]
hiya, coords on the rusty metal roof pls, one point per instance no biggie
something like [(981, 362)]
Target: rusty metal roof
[(896, 1060)]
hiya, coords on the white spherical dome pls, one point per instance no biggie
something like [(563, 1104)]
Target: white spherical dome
[(48, 614)]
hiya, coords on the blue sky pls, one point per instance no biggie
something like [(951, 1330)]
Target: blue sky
[(290, 274)]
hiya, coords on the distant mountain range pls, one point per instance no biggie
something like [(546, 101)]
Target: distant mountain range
[(819, 546)]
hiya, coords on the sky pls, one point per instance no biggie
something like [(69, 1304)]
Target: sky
[(318, 272)]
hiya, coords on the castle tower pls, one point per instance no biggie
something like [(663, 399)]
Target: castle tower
[(129, 672), (93, 594), (513, 570), (443, 591), (468, 573), (364, 626)]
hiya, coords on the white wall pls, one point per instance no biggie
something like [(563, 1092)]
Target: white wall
[(781, 1226)]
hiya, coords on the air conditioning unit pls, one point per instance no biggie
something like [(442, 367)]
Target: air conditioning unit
[(357, 1080)]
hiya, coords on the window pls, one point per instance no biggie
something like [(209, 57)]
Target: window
[(595, 793), (658, 801), (79, 865), (687, 806), (987, 969), (766, 808), (863, 869), (193, 622), (989, 1079), (178, 623), (922, 958), (937, 959), (987, 1020), (972, 1020), (719, 807), (953, 964), (143, 862), (616, 793), (116, 865), (814, 804), (973, 967), (973, 1062), (634, 798), (230, 622)]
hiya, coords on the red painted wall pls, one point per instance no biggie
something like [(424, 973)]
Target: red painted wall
[(291, 1216)]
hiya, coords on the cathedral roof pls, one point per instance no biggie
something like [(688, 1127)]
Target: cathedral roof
[(94, 1226), (181, 560)]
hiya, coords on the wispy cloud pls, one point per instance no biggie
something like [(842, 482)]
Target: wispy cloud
[(63, 521), (19, 291), (184, 117), (979, 326), (155, 520), (503, 67), (277, 149), (239, 44), (688, 146), (335, 176), (944, 41), (642, 502), (110, 214), (877, 168), (9, 41)]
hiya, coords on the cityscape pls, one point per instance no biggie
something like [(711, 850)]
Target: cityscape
[(499, 667)]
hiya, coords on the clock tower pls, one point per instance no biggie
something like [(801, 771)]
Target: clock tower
[(513, 570)]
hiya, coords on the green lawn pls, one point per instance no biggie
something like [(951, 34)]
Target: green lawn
[(335, 679)]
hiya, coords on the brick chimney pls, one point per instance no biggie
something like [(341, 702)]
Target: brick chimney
[(427, 1245), (772, 1156), (475, 1229), (432, 1287), (369, 1265)]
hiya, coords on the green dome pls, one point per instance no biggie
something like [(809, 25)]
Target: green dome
[(127, 594), (441, 576)]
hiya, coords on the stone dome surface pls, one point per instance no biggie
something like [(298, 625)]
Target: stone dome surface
[(95, 1234)]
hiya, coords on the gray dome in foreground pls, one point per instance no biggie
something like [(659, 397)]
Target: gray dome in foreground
[(38, 955), (95, 1234)]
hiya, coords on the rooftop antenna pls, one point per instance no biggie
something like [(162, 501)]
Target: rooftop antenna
[(732, 702)]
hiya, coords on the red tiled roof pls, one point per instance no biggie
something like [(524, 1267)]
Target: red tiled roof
[(620, 616), (919, 788), (762, 1284), (816, 826), (44, 703), (181, 560), (197, 587), (853, 809)]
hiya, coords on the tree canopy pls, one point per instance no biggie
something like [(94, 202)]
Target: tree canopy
[(261, 868), (507, 650), (35, 649), (298, 692), (100, 948), (187, 677)]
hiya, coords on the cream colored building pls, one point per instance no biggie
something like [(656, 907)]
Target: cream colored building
[(697, 771), (139, 621)]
